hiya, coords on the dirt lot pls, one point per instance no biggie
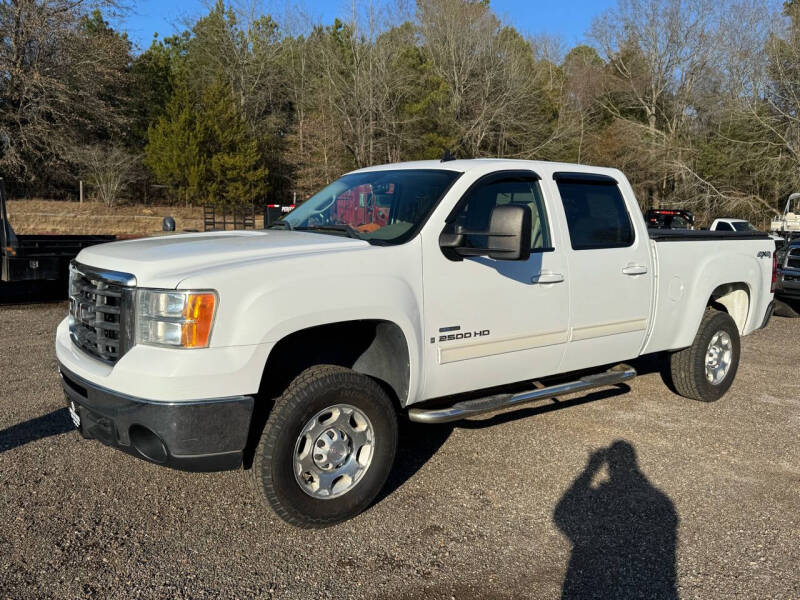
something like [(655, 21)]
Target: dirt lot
[(57, 217), (499, 508)]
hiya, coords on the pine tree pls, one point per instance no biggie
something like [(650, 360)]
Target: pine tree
[(174, 151), (236, 173), (202, 148)]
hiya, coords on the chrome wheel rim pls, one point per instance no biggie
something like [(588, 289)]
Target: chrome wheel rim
[(718, 357), (333, 451)]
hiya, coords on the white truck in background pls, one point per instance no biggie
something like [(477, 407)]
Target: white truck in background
[(728, 224), (419, 290)]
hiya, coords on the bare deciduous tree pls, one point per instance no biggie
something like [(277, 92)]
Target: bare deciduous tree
[(495, 85), (108, 169), (658, 52), (59, 73)]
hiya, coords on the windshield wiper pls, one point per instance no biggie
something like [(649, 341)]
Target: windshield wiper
[(346, 229), (280, 224)]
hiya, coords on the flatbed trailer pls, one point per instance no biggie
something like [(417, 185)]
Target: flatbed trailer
[(38, 257)]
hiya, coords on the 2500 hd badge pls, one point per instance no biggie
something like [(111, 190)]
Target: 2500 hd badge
[(464, 335)]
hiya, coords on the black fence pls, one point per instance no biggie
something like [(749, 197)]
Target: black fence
[(222, 218)]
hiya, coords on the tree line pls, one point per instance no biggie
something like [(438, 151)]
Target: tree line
[(697, 101)]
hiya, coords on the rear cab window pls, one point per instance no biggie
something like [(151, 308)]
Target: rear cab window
[(597, 216)]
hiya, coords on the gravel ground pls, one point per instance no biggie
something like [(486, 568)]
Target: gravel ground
[(693, 500)]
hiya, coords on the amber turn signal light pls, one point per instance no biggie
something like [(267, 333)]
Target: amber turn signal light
[(198, 317)]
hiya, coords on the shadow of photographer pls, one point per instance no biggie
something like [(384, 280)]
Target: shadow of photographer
[(623, 531)]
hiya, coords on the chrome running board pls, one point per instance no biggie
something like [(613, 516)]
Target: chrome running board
[(479, 406)]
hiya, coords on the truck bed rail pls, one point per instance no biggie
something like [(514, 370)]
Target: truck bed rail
[(699, 235)]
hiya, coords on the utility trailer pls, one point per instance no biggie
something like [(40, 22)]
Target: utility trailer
[(787, 225), (38, 257)]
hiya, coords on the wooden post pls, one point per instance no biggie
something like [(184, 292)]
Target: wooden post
[(81, 191)]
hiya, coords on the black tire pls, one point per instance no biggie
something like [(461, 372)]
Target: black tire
[(314, 390), (688, 366)]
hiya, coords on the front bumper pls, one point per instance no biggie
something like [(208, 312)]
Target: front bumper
[(166, 374), (203, 435)]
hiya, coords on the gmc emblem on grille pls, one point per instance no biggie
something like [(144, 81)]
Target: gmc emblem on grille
[(85, 313), (34, 264)]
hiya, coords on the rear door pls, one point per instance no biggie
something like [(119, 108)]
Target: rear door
[(609, 263)]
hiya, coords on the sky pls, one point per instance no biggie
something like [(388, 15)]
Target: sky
[(566, 19)]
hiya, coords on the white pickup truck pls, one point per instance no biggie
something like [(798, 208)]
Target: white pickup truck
[(422, 290), (728, 224)]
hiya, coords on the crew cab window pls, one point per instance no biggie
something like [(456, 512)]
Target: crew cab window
[(476, 213), (724, 227), (596, 215)]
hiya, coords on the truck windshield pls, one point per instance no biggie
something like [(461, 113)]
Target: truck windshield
[(382, 207)]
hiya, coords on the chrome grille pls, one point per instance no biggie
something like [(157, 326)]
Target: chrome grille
[(101, 312)]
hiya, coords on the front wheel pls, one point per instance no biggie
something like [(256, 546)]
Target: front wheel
[(327, 447), (705, 370)]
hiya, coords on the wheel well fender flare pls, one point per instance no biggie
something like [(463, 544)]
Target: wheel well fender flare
[(374, 347)]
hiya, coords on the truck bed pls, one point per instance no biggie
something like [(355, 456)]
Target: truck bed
[(689, 273)]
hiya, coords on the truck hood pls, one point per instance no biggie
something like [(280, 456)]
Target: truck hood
[(164, 261)]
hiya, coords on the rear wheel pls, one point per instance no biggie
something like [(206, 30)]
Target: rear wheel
[(327, 447), (705, 370)]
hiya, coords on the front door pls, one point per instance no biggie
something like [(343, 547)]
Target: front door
[(490, 322)]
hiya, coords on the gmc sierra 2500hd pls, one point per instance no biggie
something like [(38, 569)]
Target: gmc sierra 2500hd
[(419, 289)]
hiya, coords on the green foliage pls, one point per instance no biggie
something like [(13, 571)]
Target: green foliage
[(425, 104), (201, 147), (235, 171), (152, 82), (583, 55), (174, 151)]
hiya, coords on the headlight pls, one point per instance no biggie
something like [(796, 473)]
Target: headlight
[(180, 319)]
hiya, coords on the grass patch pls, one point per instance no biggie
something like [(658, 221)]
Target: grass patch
[(59, 217)]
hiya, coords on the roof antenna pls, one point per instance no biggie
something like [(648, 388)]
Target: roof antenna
[(448, 156)]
